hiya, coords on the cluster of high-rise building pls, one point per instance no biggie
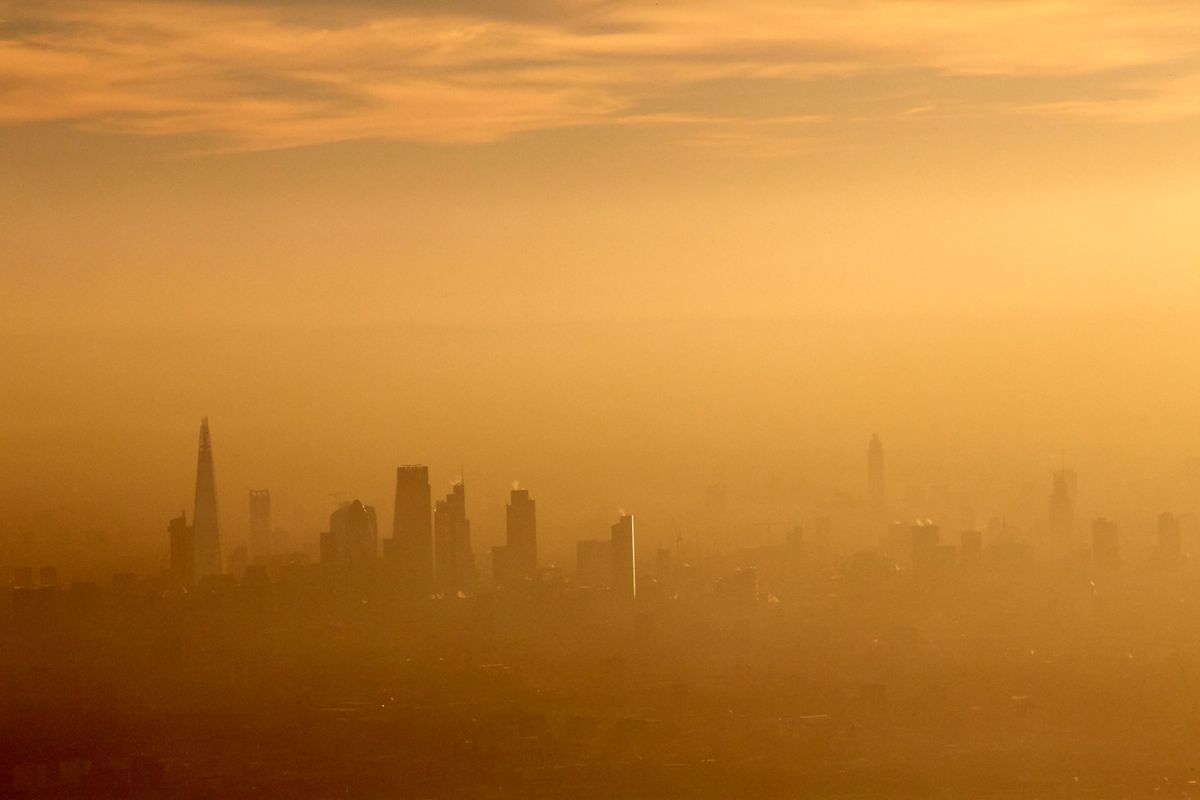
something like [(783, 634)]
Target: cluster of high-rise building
[(430, 550)]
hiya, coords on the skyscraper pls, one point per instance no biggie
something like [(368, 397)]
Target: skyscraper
[(410, 549), (521, 530), (260, 524), (516, 559), (454, 563), (353, 534), (875, 484), (206, 537), (624, 568)]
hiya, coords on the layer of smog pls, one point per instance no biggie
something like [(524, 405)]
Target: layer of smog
[(599, 399)]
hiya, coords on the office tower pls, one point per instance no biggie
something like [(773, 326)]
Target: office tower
[(624, 559), (593, 563), (353, 535), (454, 563), (875, 484), (1106, 545), (410, 550), (521, 530), (183, 549), (1170, 538), (516, 560), (1062, 508), (260, 524), (206, 538)]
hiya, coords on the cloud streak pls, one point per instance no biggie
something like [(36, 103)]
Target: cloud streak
[(253, 76)]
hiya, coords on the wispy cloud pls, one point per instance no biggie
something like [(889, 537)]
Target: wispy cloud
[(268, 75)]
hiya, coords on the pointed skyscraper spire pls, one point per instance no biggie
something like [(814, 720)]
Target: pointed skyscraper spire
[(205, 533)]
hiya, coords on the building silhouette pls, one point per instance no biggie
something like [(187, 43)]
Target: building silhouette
[(183, 549), (516, 559), (410, 550), (206, 539), (876, 490), (353, 535), (260, 524), (624, 559), (454, 563)]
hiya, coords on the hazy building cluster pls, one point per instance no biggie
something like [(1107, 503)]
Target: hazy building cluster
[(855, 655), (429, 552)]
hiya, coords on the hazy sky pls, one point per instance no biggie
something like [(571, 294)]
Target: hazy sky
[(662, 240)]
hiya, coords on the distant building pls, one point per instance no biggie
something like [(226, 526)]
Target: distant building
[(261, 544), (454, 561), (521, 529), (1106, 543), (183, 550), (206, 539), (876, 489), (624, 558), (517, 558), (353, 535), (410, 549)]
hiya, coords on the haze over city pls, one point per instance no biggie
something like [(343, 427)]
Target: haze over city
[(846, 350)]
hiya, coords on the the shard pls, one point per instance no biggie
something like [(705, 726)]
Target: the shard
[(205, 534)]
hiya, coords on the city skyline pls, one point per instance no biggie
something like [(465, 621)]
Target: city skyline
[(609, 399), (431, 549)]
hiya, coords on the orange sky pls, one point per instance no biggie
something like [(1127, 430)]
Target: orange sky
[(279, 160), (782, 221)]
